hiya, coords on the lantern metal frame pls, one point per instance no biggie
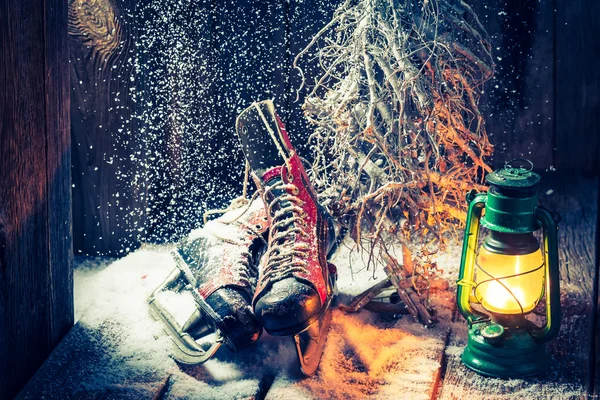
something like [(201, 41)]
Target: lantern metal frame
[(508, 345)]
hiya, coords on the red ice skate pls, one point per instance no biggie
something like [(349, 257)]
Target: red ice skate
[(295, 285), (218, 263)]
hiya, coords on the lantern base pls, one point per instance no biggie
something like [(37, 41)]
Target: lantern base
[(513, 355)]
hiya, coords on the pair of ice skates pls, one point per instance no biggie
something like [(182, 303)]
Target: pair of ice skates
[(260, 266)]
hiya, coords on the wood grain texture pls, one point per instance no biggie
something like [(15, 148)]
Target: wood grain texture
[(518, 100), (594, 384), (36, 296), (59, 204), (306, 18), (108, 192), (577, 85), (213, 60), (84, 366), (569, 376)]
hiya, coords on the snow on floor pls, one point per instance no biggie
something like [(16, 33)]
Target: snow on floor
[(366, 354), (369, 355), (84, 277)]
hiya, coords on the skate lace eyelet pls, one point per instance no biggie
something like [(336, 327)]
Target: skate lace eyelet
[(258, 226), (295, 191)]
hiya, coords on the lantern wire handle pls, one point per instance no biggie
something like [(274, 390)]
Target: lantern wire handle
[(509, 164), (497, 279)]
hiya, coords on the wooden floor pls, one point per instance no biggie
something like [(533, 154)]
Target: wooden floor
[(115, 353)]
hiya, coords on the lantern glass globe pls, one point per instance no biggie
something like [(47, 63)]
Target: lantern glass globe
[(509, 284)]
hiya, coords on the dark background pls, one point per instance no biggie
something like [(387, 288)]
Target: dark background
[(192, 66), (143, 138)]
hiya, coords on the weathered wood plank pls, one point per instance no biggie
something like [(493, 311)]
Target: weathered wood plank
[(60, 242), (207, 63), (306, 18), (569, 375), (518, 101), (35, 239), (108, 191), (117, 351), (594, 387), (577, 85)]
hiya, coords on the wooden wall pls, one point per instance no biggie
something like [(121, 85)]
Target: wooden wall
[(544, 100), (201, 63), (36, 294), (108, 194), (540, 105)]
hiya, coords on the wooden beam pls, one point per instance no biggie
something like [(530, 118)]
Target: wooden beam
[(108, 153), (518, 100), (36, 294), (577, 85), (594, 384)]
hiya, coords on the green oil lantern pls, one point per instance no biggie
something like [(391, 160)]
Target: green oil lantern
[(505, 278)]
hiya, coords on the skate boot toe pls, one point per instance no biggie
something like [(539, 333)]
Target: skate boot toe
[(289, 307), (237, 321)]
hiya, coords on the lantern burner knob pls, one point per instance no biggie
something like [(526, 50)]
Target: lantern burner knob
[(492, 333)]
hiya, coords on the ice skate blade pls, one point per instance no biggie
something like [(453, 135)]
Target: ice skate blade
[(310, 343), (185, 349)]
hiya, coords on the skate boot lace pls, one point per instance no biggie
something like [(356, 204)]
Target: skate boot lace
[(287, 252)]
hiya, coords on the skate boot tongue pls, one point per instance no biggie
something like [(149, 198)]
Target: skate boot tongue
[(274, 184)]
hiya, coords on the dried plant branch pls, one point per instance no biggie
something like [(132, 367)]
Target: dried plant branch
[(397, 129)]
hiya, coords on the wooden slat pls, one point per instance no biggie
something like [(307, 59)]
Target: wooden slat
[(232, 53), (60, 243), (35, 267), (518, 101), (577, 85), (117, 351), (595, 361), (108, 192), (306, 18), (569, 376), (594, 386)]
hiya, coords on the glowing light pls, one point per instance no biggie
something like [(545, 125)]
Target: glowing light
[(522, 288), (499, 298)]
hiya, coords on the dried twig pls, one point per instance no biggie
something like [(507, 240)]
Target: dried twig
[(398, 133)]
